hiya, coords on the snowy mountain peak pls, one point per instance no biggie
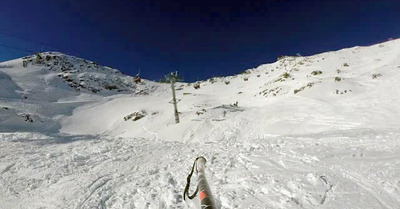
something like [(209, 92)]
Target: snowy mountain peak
[(81, 74)]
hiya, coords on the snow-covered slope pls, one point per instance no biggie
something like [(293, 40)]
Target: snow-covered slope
[(347, 89), (303, 132), (40, 89)]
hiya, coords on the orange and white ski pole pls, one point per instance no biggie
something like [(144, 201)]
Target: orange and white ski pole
[(206, 197)]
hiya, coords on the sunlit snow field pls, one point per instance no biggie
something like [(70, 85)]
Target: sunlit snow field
[(307, 132)]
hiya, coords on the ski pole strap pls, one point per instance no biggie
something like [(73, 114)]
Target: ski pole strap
[(206, 198), (186, 192)]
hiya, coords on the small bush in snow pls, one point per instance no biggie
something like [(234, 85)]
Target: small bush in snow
[(38, 58), (196, 85), (338, 71), (316, 72), (286, 75), (246, 72), (245, 78), (212, 80), (376, 75), (345, 64), (343, 92), (227, 82), (309, 85), (281, 57), (337, 79)]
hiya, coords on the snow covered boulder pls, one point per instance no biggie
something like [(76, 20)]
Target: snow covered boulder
[(136, 115)]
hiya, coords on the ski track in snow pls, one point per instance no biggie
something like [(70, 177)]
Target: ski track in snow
[(274, 172)]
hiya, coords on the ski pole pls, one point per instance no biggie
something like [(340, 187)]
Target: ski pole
[(206, 198)]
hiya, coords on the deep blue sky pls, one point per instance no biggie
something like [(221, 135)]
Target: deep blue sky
[(201, 38)]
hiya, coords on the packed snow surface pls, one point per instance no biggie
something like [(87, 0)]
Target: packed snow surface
[(304, 132)]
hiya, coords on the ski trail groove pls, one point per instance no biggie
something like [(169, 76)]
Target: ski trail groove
[(325, 180), (7, 168), (98, 183), (363, 183)]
